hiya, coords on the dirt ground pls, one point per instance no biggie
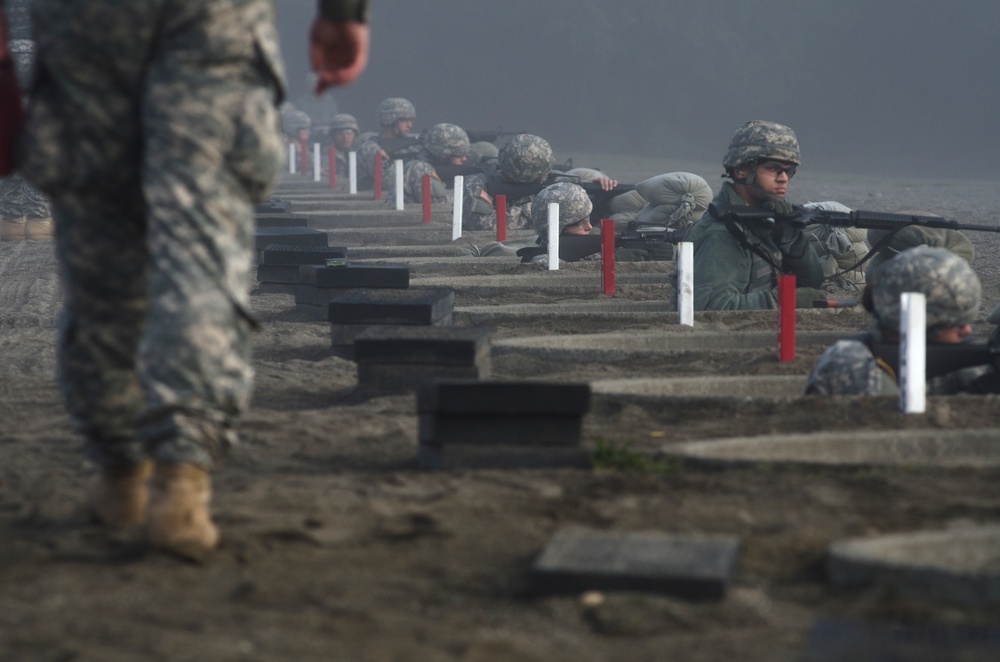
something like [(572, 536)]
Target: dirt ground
[(337, 547)]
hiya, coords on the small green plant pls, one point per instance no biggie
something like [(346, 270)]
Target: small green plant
[(609, 456)]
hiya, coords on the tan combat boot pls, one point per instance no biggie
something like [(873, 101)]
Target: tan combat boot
[(179, 517), (120, 496)]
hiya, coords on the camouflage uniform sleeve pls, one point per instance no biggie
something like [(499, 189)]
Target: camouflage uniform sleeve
[(413, 183), (723, 270), (849, 368), (477, 214), (519, 214), (344, 10)]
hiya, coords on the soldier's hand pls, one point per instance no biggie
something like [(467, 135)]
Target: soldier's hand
[(338, 51), (606, 183)]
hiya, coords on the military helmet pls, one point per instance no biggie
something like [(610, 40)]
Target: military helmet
[(344, 121), (391, 110), (952, 288), (293, 120), (762, 140), (446, 140), (525, 158), (574, 205)]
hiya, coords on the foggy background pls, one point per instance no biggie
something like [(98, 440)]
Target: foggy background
[(891, 87)]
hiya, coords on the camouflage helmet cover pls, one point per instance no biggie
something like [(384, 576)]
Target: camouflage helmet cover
[(952, 288), (344, 121), (394, 109), (293, 119), (525, 158), (447, 140), (759, 139), (574, 205)]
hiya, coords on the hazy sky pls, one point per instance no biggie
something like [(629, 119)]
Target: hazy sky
[(906, 87)]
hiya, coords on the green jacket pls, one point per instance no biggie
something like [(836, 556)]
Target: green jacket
[(728, 276)]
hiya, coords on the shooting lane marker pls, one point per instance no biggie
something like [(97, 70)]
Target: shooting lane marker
[(291, 158), (425, 189), (553, 236), (304, 156), (608, 257), (685, 283), (399, 184), (377, 194), (316, 163), (501, 217), (456, 208), (912, 352), (332, 155), (352, 171), (786, 318)]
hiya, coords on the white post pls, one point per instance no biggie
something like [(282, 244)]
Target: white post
[(553, 236), (685, 284), (352, 171), (291, 158), (317, 166), (456, 209), (913, 352), (399, 184)]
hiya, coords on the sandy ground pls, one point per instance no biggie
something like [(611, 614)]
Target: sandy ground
[(337, 547)]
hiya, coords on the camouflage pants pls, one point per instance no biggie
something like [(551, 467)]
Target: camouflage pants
[(154, 129)]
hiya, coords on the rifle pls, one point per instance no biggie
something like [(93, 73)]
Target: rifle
[(490, 135), (597, 195), (872, 220), (574, 247), (945, 359), (447, 171), (400, 145)]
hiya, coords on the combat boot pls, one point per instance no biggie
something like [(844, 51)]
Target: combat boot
[(179, 517), (120, 496)]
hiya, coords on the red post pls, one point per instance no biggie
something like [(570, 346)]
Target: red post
[(333, 166), (786, 318), (378, 176), (304, 158), (426, 190), (608, 257), (501, 205)]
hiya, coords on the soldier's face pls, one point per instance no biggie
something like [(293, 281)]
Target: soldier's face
[(343, 139), (581, 227), (403, 127), (773, 177), (459, 160), (952, 335)]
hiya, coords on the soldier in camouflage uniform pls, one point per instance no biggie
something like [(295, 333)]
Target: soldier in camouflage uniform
[(154, 129), (395, 116), (343, 131), (525, 159), (736, 263), (913, 236), (25, 212), (445, 145), (953, 295)]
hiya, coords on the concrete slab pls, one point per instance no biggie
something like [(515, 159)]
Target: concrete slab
[(568, 283), (290, 254), (406, 377), (504, 397), (958, 566), (617, 345), (423, 345), (419, 306), (502, 457), (836, 640), (529, 429), (771, 386), (280, 221), (294, 235), (355, 276), (851, 448), (695, 567)]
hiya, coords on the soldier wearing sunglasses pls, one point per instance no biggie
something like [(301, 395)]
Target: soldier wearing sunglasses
[(737, 262)]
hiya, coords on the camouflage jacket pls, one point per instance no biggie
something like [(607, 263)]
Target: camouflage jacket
[(478, 214), (730, 276), (849, 367)]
